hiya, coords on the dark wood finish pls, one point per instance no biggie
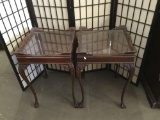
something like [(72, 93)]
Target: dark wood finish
[(117, 70), (80, 68), (131, 73), (37, 48), (45, 71), (43, 47), (21, 69), (124, 52)]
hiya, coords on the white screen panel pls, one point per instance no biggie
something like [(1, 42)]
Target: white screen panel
[(137, 15), (89, 13), (94, 14), (15, 23), (52, 15)]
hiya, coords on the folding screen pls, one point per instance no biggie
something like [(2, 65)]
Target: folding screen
[(137, 15), (93, 14), (52, 15), (15, 23)]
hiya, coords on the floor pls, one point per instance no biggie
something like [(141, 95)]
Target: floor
[(102, 97)]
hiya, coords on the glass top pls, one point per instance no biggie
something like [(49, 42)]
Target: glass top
[(103, 42), (47, 43)]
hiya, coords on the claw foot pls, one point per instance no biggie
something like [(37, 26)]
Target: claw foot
[(122, 106), (81, 105), (36, 105), (76, 105)]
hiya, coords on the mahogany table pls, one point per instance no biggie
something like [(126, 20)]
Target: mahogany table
[(44, 47), (94, 46), (105, 46)]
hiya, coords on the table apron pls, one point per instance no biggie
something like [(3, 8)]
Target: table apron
[(106, 60), (44, 60)]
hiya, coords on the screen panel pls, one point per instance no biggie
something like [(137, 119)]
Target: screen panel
[(93, 14), (52, 15), (137, 15), (15, 24)]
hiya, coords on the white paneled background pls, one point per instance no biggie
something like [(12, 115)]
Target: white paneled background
[(14, 25), (137, 15), (52, 15), (94, 14)]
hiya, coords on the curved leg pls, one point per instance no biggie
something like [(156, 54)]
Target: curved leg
[(22, 73), (45, 71), (116, 69), (83, 74), (79, 77), (72, 72), (131, 73)]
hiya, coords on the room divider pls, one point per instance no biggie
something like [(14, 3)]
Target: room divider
[(17, 17)]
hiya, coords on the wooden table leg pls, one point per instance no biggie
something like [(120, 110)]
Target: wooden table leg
[(45, 71), (22, 73), (117, 70), (83, 74), (79, 68), (131, 73), (72, 72)]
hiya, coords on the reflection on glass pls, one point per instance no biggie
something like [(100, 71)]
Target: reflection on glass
[(102, 42), (47, 43)]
